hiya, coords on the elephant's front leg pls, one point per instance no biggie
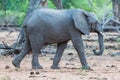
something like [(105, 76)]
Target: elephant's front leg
[(78, 44), (58, 55)]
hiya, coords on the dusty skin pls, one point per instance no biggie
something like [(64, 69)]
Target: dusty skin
[(105, 67)]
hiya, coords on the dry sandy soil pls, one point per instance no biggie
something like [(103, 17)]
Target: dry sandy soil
[(104, 67)]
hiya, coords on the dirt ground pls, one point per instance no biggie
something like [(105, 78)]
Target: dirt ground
[(104, 67)]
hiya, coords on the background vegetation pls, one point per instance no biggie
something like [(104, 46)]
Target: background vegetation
[(13, 11)]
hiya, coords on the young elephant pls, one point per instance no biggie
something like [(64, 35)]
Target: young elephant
[(47, 26)]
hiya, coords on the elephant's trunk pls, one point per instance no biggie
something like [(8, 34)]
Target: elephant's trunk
[(101, 45)]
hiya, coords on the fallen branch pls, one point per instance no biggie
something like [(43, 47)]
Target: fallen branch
[(111, 29)]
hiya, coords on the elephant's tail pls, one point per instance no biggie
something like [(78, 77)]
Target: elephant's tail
[(20, 39), (26, 36)]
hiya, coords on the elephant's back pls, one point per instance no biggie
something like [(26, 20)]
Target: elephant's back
[(52, 13), (50, 16), (50, 19), (49, 11)]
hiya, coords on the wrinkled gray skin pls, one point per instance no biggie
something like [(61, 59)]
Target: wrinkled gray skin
[(47, 26)]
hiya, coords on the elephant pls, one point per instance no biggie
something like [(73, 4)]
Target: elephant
[(48, 26)]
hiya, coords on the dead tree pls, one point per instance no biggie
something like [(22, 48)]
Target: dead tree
[(5, 21), (112, 23)]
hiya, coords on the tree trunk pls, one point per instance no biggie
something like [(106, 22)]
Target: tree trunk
[(44, 3), (5, 20), (116, 9), (58, 3)]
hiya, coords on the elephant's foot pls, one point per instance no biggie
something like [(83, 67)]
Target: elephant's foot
[(37, 67), (55, 67), (16, 63), (86, 67)]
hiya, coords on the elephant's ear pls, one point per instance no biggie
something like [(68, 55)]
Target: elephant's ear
[(80, 22)]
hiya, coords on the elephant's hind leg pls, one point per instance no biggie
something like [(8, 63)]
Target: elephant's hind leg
[(36, 51), (58, 55), (36, 44), (19, 57)]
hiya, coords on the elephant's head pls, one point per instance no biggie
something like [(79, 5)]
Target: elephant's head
[(87, 22)]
